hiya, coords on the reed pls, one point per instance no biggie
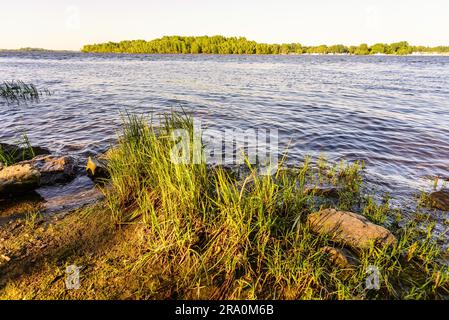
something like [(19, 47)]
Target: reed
[(19, 91)]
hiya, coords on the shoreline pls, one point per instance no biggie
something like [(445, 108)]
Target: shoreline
[(415, 54), (163, 229)]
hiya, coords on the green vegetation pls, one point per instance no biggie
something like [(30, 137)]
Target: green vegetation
[(190, 231), (10, 154), (17, 91), (31, 49), (234, 45), (218, 235), (34, 49)]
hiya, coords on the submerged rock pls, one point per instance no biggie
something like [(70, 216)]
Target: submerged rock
[(350, 229), (18, 179), (440, 199)]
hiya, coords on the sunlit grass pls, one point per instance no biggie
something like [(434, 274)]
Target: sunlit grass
[(214, 235)]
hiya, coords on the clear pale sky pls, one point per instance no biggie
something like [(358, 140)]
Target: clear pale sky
[(64, 24)]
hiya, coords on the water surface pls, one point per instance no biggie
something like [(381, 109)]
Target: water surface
[(392, 112)]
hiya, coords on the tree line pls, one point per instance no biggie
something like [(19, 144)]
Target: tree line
[(240, 45)]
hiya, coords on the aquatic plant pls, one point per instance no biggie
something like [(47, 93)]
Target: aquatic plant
[(19, 91)]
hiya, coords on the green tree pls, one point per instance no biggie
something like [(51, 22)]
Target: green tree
[(378, 48), (339, 49), (195, 48), (362, 49), (233, 45), (400, 48)]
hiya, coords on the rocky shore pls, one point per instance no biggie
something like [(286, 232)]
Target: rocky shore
[(20, 181), (48, 183), (35, 185)]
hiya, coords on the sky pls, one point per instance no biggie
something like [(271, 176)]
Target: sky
[(69, 24)]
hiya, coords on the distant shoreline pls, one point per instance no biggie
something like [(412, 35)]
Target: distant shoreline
[(220, 45), (417, 54), (38, 50), (239, 45)]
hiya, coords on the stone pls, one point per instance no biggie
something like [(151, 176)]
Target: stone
[(42, 170), (53, 169), (440, 199), (350, 229), (18, 179), (97, 168)]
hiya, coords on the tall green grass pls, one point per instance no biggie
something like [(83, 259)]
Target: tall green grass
[(211, 234)]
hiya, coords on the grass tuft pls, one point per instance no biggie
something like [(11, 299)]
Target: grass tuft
[(19, 91), (12, 154)]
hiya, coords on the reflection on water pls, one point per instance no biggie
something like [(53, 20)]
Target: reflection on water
[(392, 112)]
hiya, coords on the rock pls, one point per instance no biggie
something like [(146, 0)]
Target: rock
[(440, 199), (18, 153), (18, 179), (350, 229), (28, 175), (53, 169), (57, 170), (340, 257), (97, 168)]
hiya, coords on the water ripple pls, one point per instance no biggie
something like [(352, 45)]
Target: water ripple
[(393, 112)]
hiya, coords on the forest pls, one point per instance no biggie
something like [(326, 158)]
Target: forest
[(240, 45)]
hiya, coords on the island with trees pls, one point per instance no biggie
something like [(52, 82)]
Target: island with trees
[(241, 45)]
